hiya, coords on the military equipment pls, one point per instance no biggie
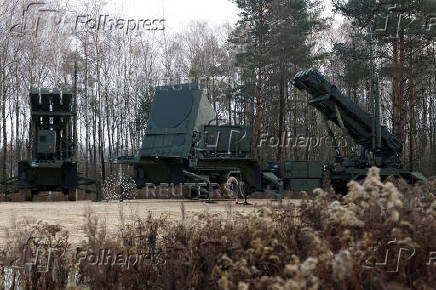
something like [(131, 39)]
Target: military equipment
[(298, 175), (184, 144), (53, 165), (358, 126), (301, 175), (53, 143)]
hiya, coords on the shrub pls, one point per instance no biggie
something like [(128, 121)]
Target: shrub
[(326, 242)]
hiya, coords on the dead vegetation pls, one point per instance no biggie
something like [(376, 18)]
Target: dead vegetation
[(327, 242)]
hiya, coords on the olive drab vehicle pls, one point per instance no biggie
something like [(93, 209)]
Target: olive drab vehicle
[(52, 158), (299, 175), (358, 126), (183, 144), (53, 165)]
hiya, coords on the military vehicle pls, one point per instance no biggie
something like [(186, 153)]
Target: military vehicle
[(183, 144), (53, 139), (52, 163), (379, 147), (299, 175), (53, 166)]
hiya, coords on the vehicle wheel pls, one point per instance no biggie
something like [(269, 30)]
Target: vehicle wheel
[(242, 189), (71, 194), (186, 192), (340, 188), (28, 194), (326, 181), (190, 192)]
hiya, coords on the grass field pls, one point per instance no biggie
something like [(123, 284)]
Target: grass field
[(322, 241), (71, 215)]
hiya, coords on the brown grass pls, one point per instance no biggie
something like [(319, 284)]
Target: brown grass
[(327, 242)]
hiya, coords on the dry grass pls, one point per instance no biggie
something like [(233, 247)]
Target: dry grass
[(326, 242)]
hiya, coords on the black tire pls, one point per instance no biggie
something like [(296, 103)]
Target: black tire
[(287, 184), (340, 188), (28, 194), (326, 181), (71, 194), (190, 192), (243, 189)]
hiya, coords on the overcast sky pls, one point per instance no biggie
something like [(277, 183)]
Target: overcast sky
[(178, 13)]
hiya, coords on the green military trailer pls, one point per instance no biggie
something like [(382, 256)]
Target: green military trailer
[(301, 175), (52, 166), (183, 144)]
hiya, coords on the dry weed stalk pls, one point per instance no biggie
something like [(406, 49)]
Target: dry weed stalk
[(327, 242)]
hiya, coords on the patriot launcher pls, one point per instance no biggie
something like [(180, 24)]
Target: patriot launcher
[(53, 165), (379, 147)]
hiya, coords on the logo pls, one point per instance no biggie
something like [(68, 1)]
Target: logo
[(236, 137), (40, 258), (37, 16), (393, 20), (396, 255)]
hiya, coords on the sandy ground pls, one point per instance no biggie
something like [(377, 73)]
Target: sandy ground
[(70, 215)]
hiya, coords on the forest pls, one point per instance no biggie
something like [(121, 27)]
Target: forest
[(247, 69)]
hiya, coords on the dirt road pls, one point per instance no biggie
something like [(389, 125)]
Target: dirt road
[(70, 215)]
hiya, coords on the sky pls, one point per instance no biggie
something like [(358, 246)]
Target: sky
[(178, 13)]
